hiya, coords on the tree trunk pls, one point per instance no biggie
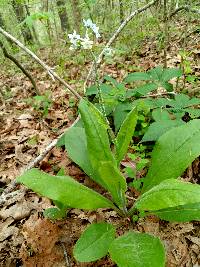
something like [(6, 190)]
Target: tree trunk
[(76, 14), (33, 28), (121, 10), (20, 14), (62, 13)]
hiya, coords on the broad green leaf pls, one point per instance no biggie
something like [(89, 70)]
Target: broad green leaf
[(141, 90), (182, 213), (180, 101), (94, 242), (114, 182), (169, 193), (173, 153), (158, 128), (160, 115), (105, 89), (125, 134), (137, 250), (76, 146), (170, 73), (156, 73), (97, 137), (120, 114), (63, 189), (137, 76)]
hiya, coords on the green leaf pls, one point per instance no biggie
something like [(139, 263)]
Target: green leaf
[(171, 73), (76, 146), (142, 90), (182, 213), (111, 80), (160, 115), (97, 137), (169, 193), (156, 74), (180, 101), (125, 134), (94, 242), (120, 114), (156, 129), (54, 213), (194, 113), (173, 153), (63, 189), (93, 90), (137, 250), (114, 182), (137, 76), (167, 86)]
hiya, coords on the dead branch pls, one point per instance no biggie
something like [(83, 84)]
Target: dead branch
[(186, 8), (114, 37), (14, 60), (37, 59)]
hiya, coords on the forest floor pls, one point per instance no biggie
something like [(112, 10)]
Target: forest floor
[(26, 237)]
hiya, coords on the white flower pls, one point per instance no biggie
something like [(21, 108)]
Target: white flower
[(89, 24), (74, 38), (96, 30), (86, 43), (108, 51)]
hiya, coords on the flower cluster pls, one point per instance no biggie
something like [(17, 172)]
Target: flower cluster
[(78, 42)]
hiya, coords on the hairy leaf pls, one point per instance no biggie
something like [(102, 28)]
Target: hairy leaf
[(97, 137), (94, 242), (114, 182), (173, 153), (169, 193), (120, 114), (156, 129), (182, 213), (125, 134), (76, 146), (137, 250), (63, 189)]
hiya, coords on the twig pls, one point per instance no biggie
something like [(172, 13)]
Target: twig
[(13, 59), (186, 8), (160, 94), (33, 163), (46, 67), (68, 264), (114, 37)]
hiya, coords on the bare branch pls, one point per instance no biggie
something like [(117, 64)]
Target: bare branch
[(13, 59), (114, 37), (186, 8), (47, 68)]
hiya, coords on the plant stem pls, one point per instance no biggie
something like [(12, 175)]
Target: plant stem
[(131, 211), (101, 102)]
